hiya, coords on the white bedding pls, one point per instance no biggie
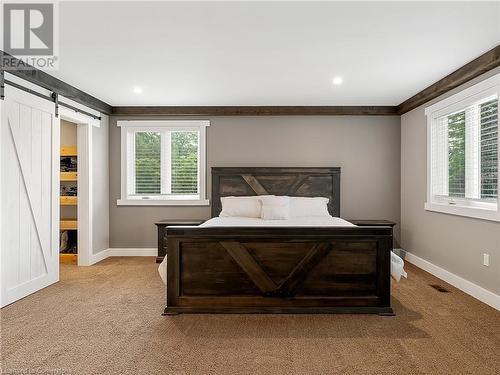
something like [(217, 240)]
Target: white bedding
[(397, 263), (292, 222)]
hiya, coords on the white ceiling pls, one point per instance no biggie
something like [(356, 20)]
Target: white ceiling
[(236, 53)]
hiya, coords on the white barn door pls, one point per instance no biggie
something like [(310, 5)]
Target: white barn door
[(29, 153)]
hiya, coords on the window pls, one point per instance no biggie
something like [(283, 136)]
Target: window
[(163, 162), (463, 153)]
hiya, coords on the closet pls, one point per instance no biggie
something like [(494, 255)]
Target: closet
[(68, 239)]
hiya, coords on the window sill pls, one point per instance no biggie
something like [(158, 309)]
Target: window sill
[(471, 212), (162, 202)]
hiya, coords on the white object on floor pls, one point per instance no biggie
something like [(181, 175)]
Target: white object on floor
[(162, 270), (397, 267)]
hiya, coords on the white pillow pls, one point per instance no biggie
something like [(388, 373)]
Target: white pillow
[(307, 207), (250, 206), (275, 208)]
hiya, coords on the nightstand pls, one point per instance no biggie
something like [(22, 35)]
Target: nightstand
[(162, 234), (373, 223)]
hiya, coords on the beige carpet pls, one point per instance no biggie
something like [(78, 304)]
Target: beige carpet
[(106, 319)]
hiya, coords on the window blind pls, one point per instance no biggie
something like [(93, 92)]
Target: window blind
[(147, 163), (184, 162), (163, 162), (456, 154), (489, 150), (464, 153), (166, 163)]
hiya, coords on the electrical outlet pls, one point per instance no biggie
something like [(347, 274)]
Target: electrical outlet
[(486, 259)]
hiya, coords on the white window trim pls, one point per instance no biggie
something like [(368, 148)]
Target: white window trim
[(161, 126), (456, 206)]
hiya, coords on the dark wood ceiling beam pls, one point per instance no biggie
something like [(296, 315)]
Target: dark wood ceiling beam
[(53, 84), (257, 111), (484, 63)]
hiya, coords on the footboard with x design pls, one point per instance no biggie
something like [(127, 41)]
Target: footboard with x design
[(278, 270)]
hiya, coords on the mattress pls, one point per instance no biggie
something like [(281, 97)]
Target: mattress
[(326, 221), (397, 263)]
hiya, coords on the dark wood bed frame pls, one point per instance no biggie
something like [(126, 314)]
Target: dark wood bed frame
[(278, 269)]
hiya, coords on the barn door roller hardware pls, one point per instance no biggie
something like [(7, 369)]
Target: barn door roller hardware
[(2, 85), (54, 97)]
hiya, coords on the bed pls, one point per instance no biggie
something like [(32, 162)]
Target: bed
[(306, 265)]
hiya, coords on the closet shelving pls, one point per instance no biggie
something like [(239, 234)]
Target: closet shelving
[(69, 224), (68, 197)]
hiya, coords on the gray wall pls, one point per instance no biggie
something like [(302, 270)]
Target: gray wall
[(68, 133), (367, 149), (451, 242), (100, 186)]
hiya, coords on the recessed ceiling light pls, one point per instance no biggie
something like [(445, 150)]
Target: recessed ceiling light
[(337, 80), (137, 90)]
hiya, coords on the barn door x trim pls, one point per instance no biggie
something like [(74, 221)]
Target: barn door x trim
[(29, 140)]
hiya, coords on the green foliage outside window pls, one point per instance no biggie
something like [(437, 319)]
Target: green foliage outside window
[(489, 149), (184, 163), (456, 155), (147, 163)]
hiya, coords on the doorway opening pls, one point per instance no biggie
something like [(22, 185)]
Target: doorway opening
[(68, 196), (76, 187)]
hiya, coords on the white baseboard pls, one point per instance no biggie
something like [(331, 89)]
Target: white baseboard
[(466, 286), (133, 252), (101, 255), (123, 252)]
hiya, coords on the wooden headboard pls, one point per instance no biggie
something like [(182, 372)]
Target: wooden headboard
[(295, 181)]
